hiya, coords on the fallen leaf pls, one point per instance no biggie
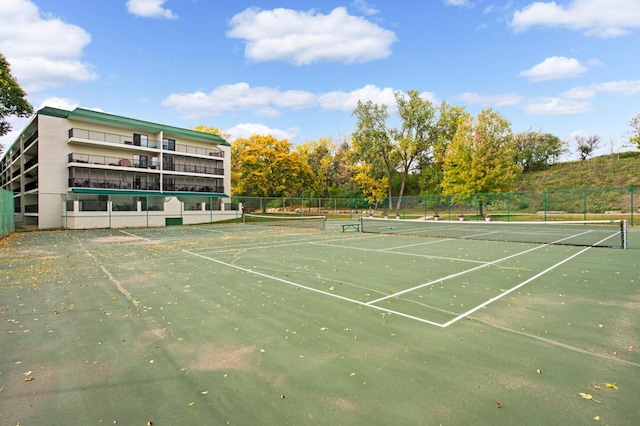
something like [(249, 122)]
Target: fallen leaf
[(596, 418), (588, 396), (611, 386), (28, 379), (324, 328), (191, 404), (539, 371)]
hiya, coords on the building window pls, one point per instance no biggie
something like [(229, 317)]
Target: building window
[(169, 144), (140, 140)]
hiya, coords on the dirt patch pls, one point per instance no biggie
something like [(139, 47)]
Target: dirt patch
[(223, 358), (344, 405)]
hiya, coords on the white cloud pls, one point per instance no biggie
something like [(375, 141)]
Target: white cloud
[(239, 96), (558, 106), (269, 102), (579, 93), (599, 18), (246, 130), (554, 68), (62, 103), (149, 9), (623, 87), (503, 100), (457, 2), (348, 101), (364, 7), (42, 51), (307, 37)]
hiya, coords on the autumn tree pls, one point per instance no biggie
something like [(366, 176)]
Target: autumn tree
[(212, 130), (480, 157), (373, 186), (320, 156), (634, 133), (537, 150), (432, 161), (343, 160), (13, 100), (265, 166), (586, 145)]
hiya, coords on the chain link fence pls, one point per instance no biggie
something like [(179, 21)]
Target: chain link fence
[(7, 225), (579, 204)]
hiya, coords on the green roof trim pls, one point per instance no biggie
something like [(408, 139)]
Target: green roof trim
[(143, 193), (133, 123), (54, 112)]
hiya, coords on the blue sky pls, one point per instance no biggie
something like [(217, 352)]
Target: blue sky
[(296, 69)]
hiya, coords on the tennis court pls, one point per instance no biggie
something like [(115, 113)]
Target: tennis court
[(259, 324)]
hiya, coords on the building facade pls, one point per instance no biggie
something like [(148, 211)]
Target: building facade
[(86, 169)]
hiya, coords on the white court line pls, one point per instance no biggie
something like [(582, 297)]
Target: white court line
[(466, 272), (371, 303), (385, 251), (291, 283), (500, 296), (134, 235)]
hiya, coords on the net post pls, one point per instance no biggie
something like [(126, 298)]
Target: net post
[(623, 234), (361, 222)]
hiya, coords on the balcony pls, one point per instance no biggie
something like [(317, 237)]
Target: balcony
[(31, 163), (136, 162), (31, 139), (113, 184), (111, 138)]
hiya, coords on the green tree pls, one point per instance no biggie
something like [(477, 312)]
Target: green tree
[(537, 150), (13, 100), (416, 135), (432, 161), (372, 141), (587, 145), (634, 133), (480, 157), (265, 166)]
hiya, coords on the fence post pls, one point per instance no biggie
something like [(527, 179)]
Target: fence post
[(632, 205)]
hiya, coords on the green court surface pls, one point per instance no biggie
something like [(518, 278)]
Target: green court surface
[(250, 324)]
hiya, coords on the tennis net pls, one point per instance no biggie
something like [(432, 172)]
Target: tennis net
[(596, 233), (312, 222)]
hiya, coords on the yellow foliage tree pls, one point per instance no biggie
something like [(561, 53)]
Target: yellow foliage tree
[(265, 166), (481, 156), (373, 189)]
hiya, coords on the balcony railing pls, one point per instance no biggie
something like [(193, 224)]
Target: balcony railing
[(31, 139), (31, 185), (129, 140), (111, 138), (188, 168), (114, 161), (31, 162)]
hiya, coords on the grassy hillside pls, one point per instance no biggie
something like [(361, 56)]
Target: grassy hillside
[(608, 171)]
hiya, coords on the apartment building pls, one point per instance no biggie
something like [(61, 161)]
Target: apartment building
[(86, 169)]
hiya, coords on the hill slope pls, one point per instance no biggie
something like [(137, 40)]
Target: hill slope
[(608, 171)]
